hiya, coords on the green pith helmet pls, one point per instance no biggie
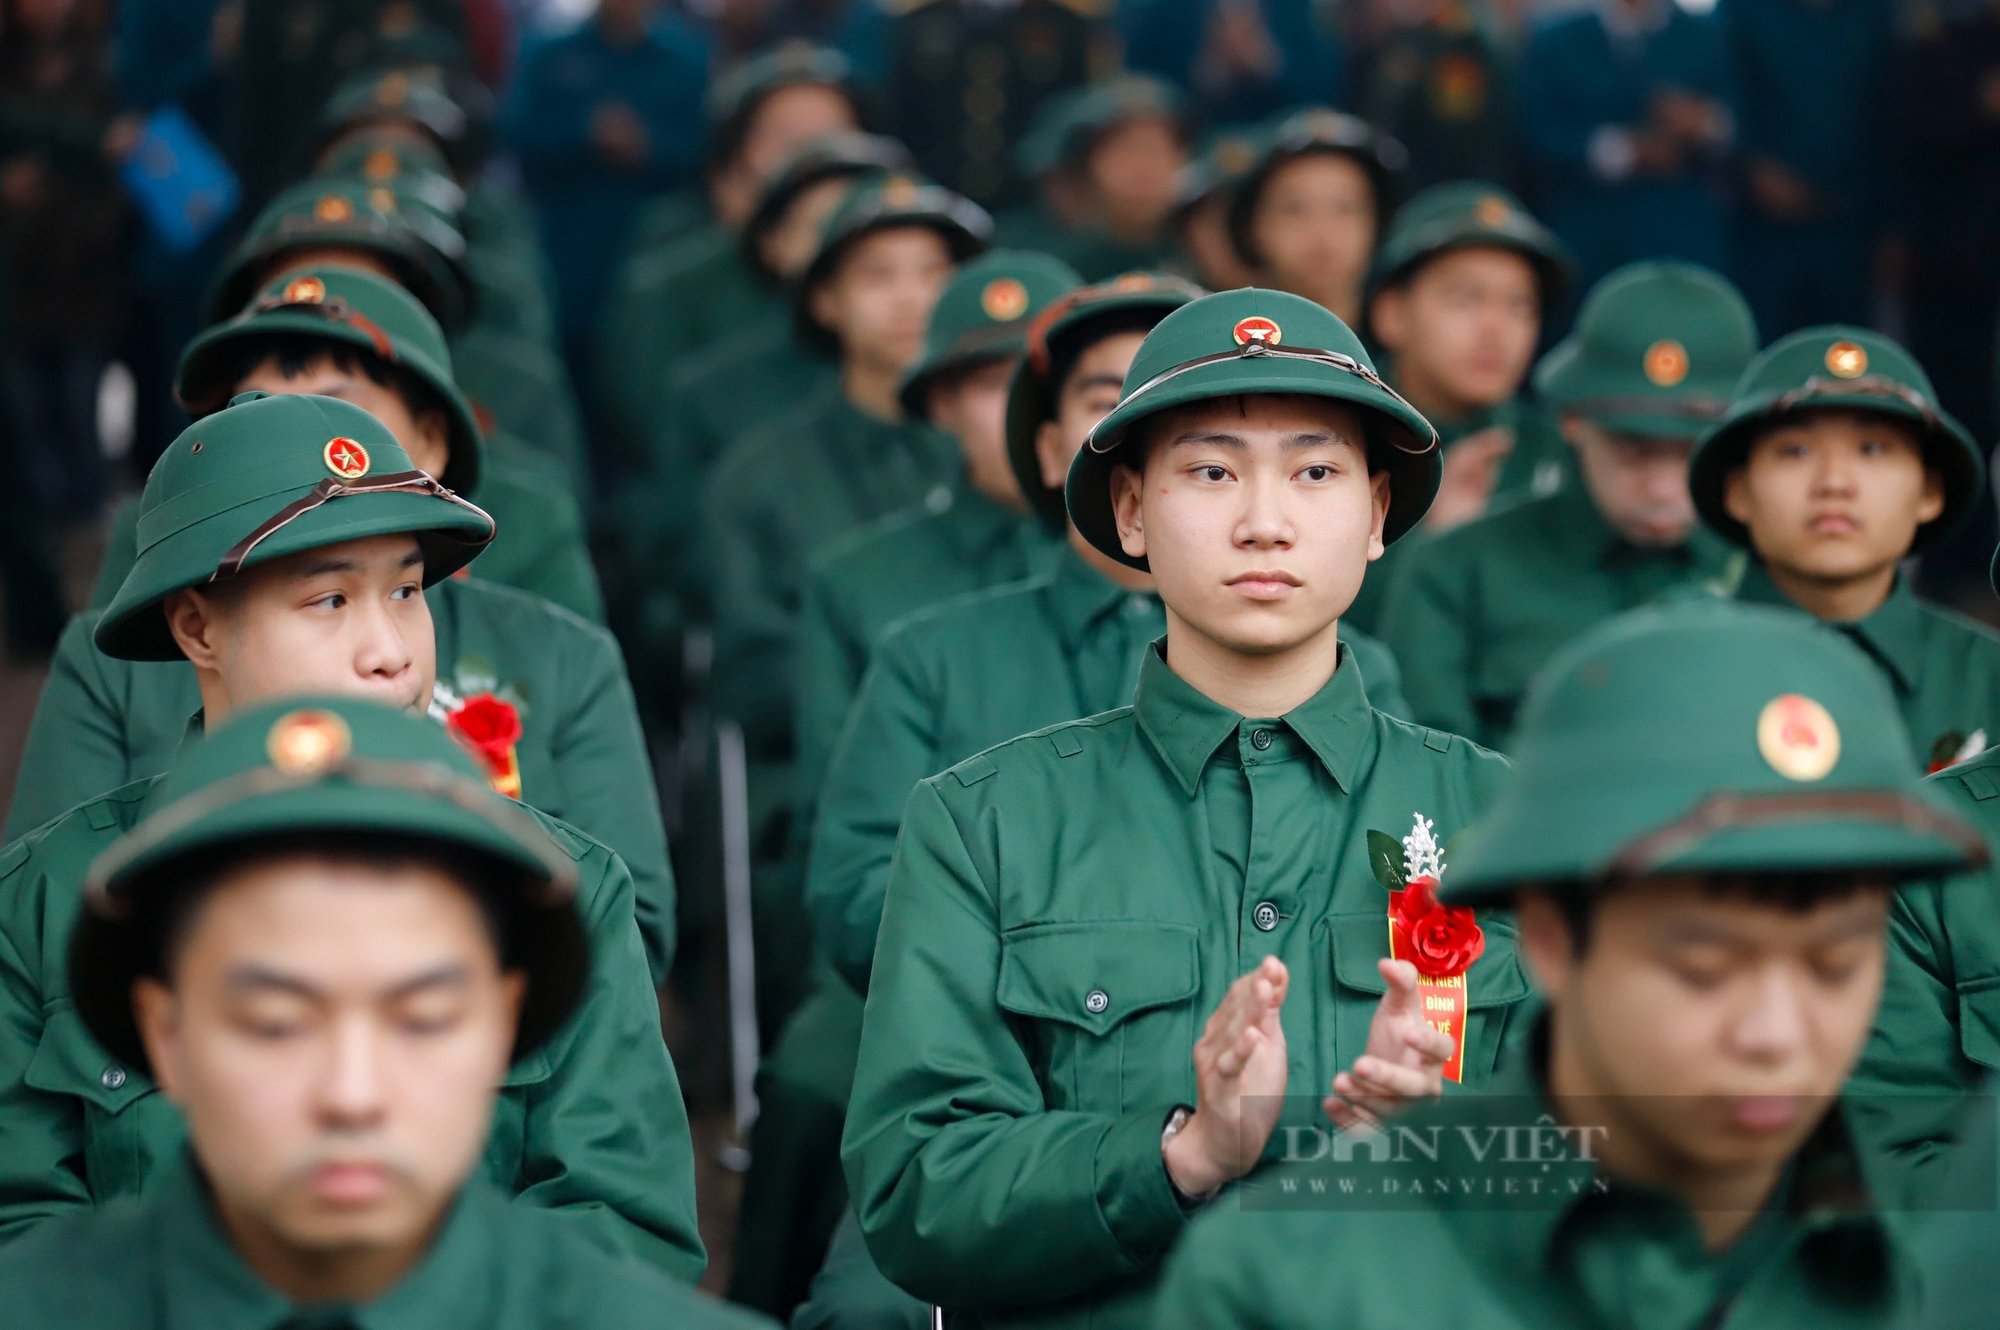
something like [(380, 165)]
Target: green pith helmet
[(413, 168), (357, 309), (1223, 161), (267, 477), (1657, 349), (1835, 366), (313, 770), (983, 315), (835, 157), (408, 96), (883, 205), (734, 97), (1256, 341), (1467, 214), (1069, 126), (424, 251), (1133, 302), (1309, 133), (1707, 736)]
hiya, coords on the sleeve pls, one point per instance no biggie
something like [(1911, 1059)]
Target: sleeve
[(563, 571), (753, 576), (1427, 626), (969, 1189), (76, 742), (1217, 1276), (607, 1132), (42, 1170), (607, 783), (888, 745), (828, 673), (1907, 1089)]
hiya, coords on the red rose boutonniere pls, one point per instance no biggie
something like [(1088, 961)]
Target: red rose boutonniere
[(490, 727)]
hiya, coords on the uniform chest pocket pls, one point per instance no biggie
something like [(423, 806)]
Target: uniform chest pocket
[(1496, 998), (1110, 1008), (1979, 1020), (130, 1131), (507, 1148)]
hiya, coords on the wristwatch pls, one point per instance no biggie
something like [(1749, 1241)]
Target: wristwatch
[(1177, 1119)]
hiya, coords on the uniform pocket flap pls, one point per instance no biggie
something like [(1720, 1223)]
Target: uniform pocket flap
[(531, 1070), (1094, 975), (68, 1061), (1495, 979), (1979, 1021)]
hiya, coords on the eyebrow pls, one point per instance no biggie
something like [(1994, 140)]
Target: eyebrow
[(1091, 382), (322, 567), (252, 978), (1234, 443)]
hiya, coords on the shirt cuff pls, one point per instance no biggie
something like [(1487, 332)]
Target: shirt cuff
[(1611, 152), (1133, 1192)]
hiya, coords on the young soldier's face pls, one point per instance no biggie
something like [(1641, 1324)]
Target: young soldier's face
[(1315, 228), (335, 1032), (878, 300), (1464, 326), (1132, 171), (424, 434), (1834, 495), (1639, 484), (1711, 1028), (1087, 395), (1258, 515), (789, 119), (972, 408), (348, 619)]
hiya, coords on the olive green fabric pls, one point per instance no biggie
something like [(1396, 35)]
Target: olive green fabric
[(1064, 912), (168, 1261), (850, 1290), (1937, 1036), (1468, 214), (1305, 133), (381, 157), (592, 1124), (326, 765), (883, 204), (1094, 252), (860, 584), (228, 474), (423, 249), (1134, 301), (399, 95), (351, 309), (1656, 351), (524, 390), (1955, 1252), (1262, 342), (1475, 612), (1068, 126), (1539, 464), (1771, 746), (983, 315), (102, 723), (1942, 668), (1834, 367), (1590, 1250)]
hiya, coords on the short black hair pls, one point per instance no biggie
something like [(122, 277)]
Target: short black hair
[(1145, 432), (1793, 892), (295, 353), (167, 901), (1068, 348)]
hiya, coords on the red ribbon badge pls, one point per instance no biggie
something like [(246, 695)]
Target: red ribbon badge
[(491, 728), (1442, 941)]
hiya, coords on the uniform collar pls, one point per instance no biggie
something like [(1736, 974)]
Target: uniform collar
[(1826, 1192), (205, 1285), (1582, 532), (1079, 596), (1893, 635), (1186, 727)]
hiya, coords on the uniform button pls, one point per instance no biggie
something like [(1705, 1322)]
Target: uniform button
[(1265, 916), (113, 1077), (1097, 1001), (1260, 739)]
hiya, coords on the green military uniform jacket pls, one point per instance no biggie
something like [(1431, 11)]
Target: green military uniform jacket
[(103, 722), (1596, 1254), (592, 1124), (958, 541), (1943, 667), (525, 389), (544, 550), (1538, 465), (1937, 1034), (1475, 612), (773, 500), (1096, 254), (1065, 911), (166, 1262)]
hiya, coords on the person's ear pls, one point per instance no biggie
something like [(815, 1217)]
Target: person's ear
[(1389, 316), (1931, 506), (196, 621), (1572, 431), (1128, 487), (1378, 486), (435, 430), (156, 1012), (1051, 456), (1548, 945), (824, 307), (1736, 495)]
